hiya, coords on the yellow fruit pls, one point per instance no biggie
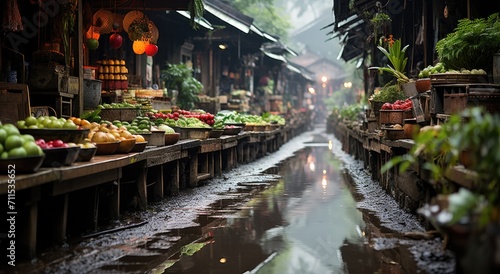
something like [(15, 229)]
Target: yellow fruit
[(139, 138)]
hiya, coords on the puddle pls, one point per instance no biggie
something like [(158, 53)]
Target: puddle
[(315, 211)]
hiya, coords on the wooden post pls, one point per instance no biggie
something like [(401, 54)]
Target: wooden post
[(142, 189), (157, 176)]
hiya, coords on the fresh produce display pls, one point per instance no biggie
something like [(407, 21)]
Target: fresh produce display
[(119, 105), (16, 145), (398, 105), (199, 114), (53, 144), (219, 124), (167, 129), (106, 132), (232, 117), (440, 68), (274, 118), (46, 122), (183, 122), (141, 124)]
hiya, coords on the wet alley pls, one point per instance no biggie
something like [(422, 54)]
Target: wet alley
[(307, 208)]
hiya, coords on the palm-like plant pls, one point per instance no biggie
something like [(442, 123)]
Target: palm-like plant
[(396, 56)]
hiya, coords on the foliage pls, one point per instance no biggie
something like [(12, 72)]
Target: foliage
[(472, 44), (180, 77), (266, 16), (473, 131), (388, 94), (351, 112), (195, 8), (396, 56)]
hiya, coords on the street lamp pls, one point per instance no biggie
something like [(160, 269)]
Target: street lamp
[(311, 90), (324, 79), (347, 84)]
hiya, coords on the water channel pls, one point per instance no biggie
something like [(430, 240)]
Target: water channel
[(308, 208)]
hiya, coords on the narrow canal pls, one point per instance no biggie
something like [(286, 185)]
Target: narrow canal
[(308, 208)]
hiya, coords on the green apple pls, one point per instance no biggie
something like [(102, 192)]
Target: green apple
[(21, 124), (32, 149), (4, 155), (12, 142), (17, 152), (11, 129), (1, 149), (30, 120), (3, 135), (27, 138)]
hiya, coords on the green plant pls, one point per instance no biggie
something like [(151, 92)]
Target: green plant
[(351, 112), (388, 94), (472, 44), (396, 56), (180, 77), (473, 131)]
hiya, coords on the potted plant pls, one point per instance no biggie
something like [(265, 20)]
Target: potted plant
[(464, 215), (471, 45), (442, 147), (180, 77), (396, 56), (390, 93)]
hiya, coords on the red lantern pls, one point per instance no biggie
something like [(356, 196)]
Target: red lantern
[(115, 40), (151, 50)]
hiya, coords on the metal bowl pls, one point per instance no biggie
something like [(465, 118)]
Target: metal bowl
[(86, 154), (29, 164), (60, 156), (66, 135)]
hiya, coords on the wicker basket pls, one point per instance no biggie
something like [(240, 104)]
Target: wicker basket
[(394, 116), (457, 78)]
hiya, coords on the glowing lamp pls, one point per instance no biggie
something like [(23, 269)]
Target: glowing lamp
[(139, 47), (151, 50)]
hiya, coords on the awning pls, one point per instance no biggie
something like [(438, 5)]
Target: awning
[(274, 56), (229, 15), (200, 21)]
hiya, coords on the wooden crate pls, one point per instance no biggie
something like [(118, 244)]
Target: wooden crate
[(454, 103), (122, 114), (394, 116), (14, 102)]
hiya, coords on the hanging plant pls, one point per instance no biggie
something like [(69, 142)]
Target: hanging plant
[(140, 29)]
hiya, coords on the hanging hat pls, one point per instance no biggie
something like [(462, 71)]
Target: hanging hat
[(103, 21)]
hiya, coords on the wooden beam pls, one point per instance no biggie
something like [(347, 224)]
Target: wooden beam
[(141, 5)]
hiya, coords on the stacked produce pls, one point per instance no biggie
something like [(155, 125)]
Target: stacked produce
[(13, 144), (398, 105), (113, 73), (440, 68)]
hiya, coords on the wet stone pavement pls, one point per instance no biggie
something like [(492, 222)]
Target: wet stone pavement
[(308, 208)]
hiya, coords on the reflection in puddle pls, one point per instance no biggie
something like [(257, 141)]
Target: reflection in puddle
[(304, 222)]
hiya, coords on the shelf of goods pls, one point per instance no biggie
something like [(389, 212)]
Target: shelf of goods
[(113, 73)]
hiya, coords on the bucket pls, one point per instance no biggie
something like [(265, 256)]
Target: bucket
[(91, 93)]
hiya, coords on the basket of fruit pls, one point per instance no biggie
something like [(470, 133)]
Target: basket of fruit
[(51, 128), (58, 153), (87, 152), (18, 151)]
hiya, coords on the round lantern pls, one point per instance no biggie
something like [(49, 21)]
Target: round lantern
[(92, 44), (115, 40), (151, 50), (139, 47)]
